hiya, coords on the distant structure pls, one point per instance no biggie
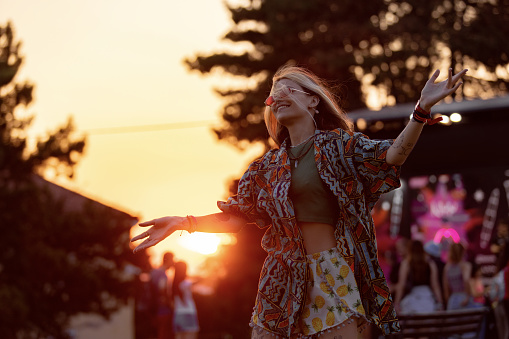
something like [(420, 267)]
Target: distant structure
[(474, 135), (455, 183), (84, 326)]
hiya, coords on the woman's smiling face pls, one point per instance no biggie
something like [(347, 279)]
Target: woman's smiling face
[(289, 101)]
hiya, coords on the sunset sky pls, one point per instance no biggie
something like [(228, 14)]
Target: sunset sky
[(119, 63)]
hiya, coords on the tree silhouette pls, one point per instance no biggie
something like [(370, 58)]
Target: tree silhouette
[(415, 38), (60, 253), (388, 46)]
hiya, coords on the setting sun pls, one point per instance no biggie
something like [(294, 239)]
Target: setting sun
[(204, 243)]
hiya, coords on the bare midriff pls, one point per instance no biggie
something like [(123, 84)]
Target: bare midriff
[(317, 236)]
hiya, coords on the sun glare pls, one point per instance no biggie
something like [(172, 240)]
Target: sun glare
[(204, 243)]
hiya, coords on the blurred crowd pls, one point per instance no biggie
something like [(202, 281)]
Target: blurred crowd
[(422, 282), (165, 308)]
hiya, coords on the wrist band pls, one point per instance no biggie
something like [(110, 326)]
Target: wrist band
[(193, 224), (421, 110), (422, 116)]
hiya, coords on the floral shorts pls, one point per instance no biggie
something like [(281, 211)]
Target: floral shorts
[(332, 297)]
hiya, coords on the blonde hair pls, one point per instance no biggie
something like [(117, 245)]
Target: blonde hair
[(330, 116)]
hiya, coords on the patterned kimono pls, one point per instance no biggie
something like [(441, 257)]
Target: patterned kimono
[(353, 167)]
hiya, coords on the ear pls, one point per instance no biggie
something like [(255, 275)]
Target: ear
[(314, 101)]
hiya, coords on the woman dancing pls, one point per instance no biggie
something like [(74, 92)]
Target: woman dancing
[(315, 192)]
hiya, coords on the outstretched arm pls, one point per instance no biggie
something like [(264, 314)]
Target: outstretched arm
[(164, 227), (430, 95)]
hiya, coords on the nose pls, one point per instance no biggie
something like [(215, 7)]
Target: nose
[(277, 95)]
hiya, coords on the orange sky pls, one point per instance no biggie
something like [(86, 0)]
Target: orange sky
[(119, 63)]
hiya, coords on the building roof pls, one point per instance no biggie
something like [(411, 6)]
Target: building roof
[(477, 142), (404, 110), (75, 202)]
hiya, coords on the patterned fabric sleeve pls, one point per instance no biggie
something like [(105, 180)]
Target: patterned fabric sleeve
[(244, 203), (369, 158)]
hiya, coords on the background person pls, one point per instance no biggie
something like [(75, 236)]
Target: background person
[(499, 289), (500, 244), (161, 297), (457, 273), (399, 253), (421, 274), (185, 316), (476, 285)]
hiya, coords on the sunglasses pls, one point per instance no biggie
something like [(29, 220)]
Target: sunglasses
[(282, 93)]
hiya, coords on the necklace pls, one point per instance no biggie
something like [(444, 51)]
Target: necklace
[(311, 136), (301, 153)]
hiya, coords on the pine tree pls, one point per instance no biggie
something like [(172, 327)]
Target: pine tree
[(60, 253), (390, 46)]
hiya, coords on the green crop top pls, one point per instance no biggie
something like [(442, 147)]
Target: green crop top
[(312, 200)]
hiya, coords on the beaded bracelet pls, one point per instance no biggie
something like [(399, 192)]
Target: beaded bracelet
[(422, 116)]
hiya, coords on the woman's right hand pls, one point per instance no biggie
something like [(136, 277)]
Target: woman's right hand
[(434, 92), (161, 228)]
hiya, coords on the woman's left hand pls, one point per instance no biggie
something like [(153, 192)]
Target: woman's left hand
[(160, 230), (434, 92)]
